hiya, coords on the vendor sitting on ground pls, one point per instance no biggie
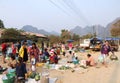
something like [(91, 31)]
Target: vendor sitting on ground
[(12, 62), (45, 55), (53, 58), (90, 61), (70, 57)]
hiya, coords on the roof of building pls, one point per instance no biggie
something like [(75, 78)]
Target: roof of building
[(36, 34), (26, 33)]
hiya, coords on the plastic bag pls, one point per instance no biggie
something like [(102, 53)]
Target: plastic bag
[(113, 57), (101, 58), (83, 63), (33, 68)]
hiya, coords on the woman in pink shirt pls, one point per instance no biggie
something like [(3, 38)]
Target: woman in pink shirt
[(34, 51)]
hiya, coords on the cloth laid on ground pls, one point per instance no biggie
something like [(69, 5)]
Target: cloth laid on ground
[(1, 78), (51, 80)]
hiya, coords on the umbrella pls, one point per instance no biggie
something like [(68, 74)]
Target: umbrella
[(97, 38), (70, 40), (113, 38), (29, 42)]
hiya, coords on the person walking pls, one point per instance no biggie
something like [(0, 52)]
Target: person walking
[(23, 52), (105, 49)]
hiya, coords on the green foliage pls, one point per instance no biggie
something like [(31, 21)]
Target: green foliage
[(1, 24), (11, 34), (87, 36), (115, 29), (75, 37), (54, 39), (65, 35), (31, 37)]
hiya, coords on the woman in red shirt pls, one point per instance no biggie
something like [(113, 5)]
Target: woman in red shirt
[(53, 58), (4, 49)]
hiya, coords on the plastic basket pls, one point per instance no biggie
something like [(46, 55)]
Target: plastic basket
[(9, 80), (76, 62), (10, 75), (6, 81)]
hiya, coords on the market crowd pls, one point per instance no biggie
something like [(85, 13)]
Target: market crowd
[(16, 55)]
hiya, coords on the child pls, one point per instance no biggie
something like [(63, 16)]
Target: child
[(21, 69), (12, 62), (33, 63), (90, 61)]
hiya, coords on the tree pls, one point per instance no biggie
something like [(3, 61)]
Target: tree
[(115, 29), (65, 35), (31, 37), (11, 34), (1, 24), (87, 36), (75, 37), (54, 39)]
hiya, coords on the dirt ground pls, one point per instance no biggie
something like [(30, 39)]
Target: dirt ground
[(100, 74)]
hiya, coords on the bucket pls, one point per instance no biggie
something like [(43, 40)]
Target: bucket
[(9, 79), (76, 62)]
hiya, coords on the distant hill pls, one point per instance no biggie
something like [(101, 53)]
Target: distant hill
[(89, 30), (108, 27), (100, 30), (54, 33), (30, 28), (77, 30)]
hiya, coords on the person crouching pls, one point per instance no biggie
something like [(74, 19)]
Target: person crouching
[(90, 61), (53, 58)]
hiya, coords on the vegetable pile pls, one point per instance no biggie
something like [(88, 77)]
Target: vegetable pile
[(64, 67)]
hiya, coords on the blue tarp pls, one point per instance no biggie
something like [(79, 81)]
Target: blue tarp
[(70, 40), (29, 42), (97, 38), (112, 38)]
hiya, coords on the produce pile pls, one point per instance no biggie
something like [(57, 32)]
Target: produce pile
[(2, 69), (9, 77), (33, 75), (113, 57), (64, 68)]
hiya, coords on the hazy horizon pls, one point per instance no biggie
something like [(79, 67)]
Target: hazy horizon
[(54, 15)]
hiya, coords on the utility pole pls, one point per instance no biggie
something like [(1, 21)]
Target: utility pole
[(94, 32)]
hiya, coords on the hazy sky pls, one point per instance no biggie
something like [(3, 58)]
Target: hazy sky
[(58, 14)]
